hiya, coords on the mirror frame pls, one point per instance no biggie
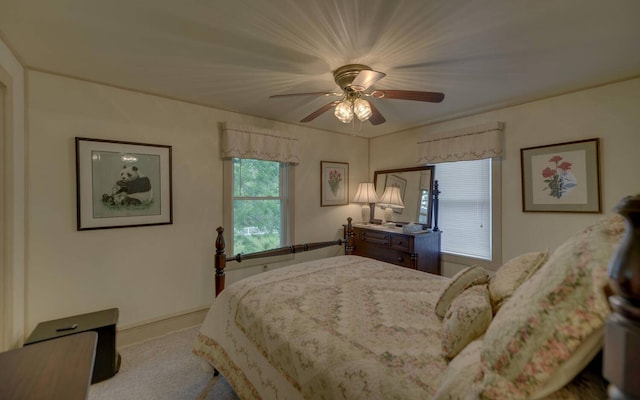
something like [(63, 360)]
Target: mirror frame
[(431, 168)]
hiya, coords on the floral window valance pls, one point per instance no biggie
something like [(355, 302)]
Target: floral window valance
[(263, 144), (475, 143)]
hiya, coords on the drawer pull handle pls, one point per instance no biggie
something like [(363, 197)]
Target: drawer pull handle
[(401, 259)]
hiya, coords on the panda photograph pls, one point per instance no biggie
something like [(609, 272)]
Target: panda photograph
[(124, 184), (132, 188)]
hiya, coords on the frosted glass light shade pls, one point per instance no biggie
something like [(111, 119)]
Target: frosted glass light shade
[(344, 112), (362, 109)]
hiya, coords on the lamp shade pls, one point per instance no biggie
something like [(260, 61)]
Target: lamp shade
[(391, 198), (366, 193)]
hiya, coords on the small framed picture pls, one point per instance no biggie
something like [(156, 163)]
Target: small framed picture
[(122, 184), (334, 183), (562, 177)]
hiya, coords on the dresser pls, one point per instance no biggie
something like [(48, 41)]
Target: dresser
[(419, 250)]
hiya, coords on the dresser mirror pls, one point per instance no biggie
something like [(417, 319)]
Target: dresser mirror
[(416, 190)]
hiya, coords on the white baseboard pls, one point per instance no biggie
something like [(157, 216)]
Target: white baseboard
[(157, 327)]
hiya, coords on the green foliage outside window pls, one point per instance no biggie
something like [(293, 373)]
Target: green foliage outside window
[(257, 205)]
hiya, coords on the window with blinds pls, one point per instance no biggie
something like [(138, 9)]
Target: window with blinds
[(465, 207)]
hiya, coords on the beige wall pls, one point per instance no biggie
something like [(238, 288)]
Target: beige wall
[(12, 161), (155, 271), (608, 112)]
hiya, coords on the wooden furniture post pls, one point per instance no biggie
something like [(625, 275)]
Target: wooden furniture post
[(622, 332), (348, 237), (220, 261), (436, 201)]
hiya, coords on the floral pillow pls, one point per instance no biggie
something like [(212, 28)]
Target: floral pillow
[(467, 318), (511, 275), (457, 379), (464, 279), (550, 316)]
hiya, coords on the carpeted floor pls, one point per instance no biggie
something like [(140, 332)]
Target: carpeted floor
[(163, 369)]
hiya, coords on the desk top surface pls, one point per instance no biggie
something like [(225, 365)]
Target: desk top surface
[(53, 369), (74, 324)]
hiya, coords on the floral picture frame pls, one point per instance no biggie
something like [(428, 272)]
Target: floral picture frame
[(122, 184), (334, 183), (561, 177)]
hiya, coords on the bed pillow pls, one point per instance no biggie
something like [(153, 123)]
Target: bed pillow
[(550, 316), (511, 275), (464, 279), (458, 378), (589, 348), (467, 318)]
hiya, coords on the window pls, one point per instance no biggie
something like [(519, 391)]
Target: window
[(469, 212), (259, 207)]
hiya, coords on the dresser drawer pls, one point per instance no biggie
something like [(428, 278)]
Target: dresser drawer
[(386, 254), (381, 238), (402, 243)]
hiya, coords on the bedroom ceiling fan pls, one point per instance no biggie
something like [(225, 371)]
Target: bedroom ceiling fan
[(355, 80)]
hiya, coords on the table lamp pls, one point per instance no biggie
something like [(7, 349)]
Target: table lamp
[(366, 194)]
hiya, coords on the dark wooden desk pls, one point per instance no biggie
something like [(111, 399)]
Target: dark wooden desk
[(55, 369)]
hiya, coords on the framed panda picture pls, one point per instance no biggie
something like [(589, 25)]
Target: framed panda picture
[(122, 184)]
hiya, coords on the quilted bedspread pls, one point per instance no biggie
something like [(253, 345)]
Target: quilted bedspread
[(345, 327)]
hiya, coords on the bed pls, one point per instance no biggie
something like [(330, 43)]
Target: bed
[(349, 327)]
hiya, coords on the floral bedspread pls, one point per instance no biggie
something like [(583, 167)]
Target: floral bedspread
[(346, 327)]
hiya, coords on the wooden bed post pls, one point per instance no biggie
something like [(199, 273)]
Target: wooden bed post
[(348, 237), (220, 261), (621, 361)]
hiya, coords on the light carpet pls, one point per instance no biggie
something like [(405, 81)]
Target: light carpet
[(163, 368)]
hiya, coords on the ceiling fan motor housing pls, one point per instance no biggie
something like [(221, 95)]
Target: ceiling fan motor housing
[(345, 75)]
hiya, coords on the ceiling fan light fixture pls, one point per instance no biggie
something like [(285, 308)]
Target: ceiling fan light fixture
[(362, 109), (344, 111)]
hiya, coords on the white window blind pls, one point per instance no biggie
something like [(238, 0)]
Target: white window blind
[(465, 207)]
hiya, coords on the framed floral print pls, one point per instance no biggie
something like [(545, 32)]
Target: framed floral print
[(562, 177), (122, 184), (334, 183)]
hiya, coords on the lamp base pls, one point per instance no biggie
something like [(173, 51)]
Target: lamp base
[(388, 213), (366, 214)]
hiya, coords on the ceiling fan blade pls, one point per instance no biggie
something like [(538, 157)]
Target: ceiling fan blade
[(376, 118), (306, 94), (319, 111), (365, 79), (433, 97)]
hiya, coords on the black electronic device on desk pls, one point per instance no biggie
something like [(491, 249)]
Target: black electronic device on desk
[(107, 361)]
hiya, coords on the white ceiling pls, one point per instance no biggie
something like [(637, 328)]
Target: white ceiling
[(232, 55)]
